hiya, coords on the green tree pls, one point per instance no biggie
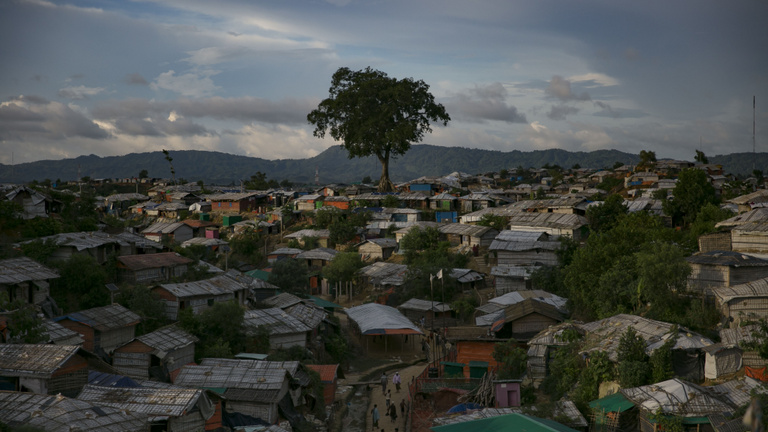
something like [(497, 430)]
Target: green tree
[(633, 367), (290, 275), (497, 222), (259, 181), (143, 174), (170, 163), (375, 115), (81, 284), (512, 359), (144, 303), (343, 267), (390, 201), (647, 160), (40, 250), (24, 324), (366, 180), (605, 216), (342, 231), (692, 192), (701, 157)]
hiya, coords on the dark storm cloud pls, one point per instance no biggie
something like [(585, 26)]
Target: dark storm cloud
[(22, 120), (608, 111), (480, 104), (560, 88), (31, 99), (135, 79), (559, 112)]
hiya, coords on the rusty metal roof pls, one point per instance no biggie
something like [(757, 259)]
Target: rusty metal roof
[(23, 269)]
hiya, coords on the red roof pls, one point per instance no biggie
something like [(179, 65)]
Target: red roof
[(196, 223), (327, 372)]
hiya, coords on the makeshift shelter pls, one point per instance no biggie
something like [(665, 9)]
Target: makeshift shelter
[(26, 279), (329, 376), (721, 359), (250, 387), (376, 320), (432, 311), (718, 269), (174, 408), (166, 350), (284, 329), (745, 302), (613, 413), (541, 348), (62, 414), (43, 369), (524, 248), (103, 328)]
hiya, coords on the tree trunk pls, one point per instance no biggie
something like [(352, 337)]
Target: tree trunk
[(385, 185)]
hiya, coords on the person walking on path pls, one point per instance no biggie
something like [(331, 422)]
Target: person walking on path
[(375, 417), (402, 407), (396, 381), (389, 398), (383, 383), (393, 413)]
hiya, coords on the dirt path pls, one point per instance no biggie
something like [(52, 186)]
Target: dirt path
[(377, 397)]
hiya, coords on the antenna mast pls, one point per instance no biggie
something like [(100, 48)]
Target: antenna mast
[(754, 153)]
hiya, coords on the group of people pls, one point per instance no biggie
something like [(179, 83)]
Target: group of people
[(391, 408)]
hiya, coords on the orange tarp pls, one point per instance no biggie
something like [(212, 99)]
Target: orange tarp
[(759, 374)]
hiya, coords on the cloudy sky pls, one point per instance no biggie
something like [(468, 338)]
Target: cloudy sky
[(111, 77)]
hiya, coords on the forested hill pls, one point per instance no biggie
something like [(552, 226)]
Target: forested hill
[(333, 164)]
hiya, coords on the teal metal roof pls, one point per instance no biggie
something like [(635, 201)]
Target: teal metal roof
[(612, 403), (510, 422), (325, 303)]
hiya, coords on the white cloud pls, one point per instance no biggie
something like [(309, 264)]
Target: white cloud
[(277, 142), (190, 84), (79, 92), (597, 78)]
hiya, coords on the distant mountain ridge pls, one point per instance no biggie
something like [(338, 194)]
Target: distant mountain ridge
[(333, 165)]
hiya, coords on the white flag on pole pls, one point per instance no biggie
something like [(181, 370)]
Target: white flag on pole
[(440, 274)]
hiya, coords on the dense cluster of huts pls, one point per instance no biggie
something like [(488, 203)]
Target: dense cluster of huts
[(97, 374)]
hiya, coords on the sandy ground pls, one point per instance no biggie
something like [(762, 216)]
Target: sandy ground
[(377, 397)]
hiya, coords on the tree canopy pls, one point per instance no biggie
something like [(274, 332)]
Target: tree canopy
[(692, 192), (375, 115)]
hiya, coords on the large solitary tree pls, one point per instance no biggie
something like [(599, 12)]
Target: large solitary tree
[(375, 115)]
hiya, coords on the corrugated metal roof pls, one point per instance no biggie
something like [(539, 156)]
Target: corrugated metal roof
[(376, 319), (727, 258), (604, 335), (731, 337), (424, 305), (23, 269), (320, 253), (156, 260), (104, 318), (169, 402), (319, 233), (739, 391), (563, 407), (235, 196), (466, 275), (752, 227), (277, 320), (203, 241), (677, 397), (59, 334), (757, 288), (33, 360), (282, 300), (215, 286), (238, 374), (514, 297), (82, 240), (417, 224), (760, 195), (522, 236), (513, 271), (286, 251), (163, 227), (464, 229), (384, 242), (310, 316), (167, 339), (380, 270), (548, 220), (126, 197), (754, 215), (506, 422), (62, 414)]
